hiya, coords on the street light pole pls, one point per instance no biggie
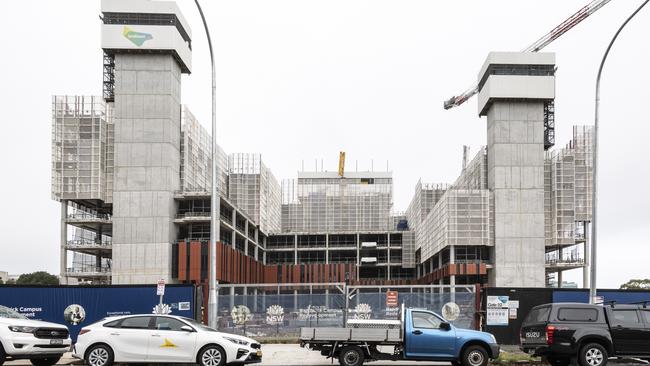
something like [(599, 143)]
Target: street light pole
[(594, 201), (215, 202)]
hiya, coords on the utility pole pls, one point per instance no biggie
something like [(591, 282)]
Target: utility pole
[(594, 197), (215, 201)]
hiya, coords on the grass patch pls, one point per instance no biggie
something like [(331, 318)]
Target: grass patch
[(509, 358)]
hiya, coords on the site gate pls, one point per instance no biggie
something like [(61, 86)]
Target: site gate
[(280, 310)]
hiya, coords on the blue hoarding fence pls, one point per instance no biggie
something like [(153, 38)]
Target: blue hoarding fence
[(78, 306)]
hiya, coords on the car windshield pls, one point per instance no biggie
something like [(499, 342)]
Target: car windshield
[(199, 325), (6, 312)]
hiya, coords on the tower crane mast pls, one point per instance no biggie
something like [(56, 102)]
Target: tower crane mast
[(538, 45)]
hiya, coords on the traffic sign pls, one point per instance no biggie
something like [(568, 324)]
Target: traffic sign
[(160, 291)]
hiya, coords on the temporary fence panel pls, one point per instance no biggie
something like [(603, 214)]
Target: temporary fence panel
[(78, 306), (281, 313)]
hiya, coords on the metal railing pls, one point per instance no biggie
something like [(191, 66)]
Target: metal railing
[(200, 214), (89, 271), (88, 216), (561, 261), (89, 243)]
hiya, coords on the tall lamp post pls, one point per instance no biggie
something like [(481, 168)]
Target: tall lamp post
[(594, 201), (215, 201)]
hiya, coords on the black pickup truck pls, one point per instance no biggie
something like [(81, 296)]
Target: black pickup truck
[(563, 333)]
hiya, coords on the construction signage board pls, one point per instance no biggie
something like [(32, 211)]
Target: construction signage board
[(391, 299), (497, 310)]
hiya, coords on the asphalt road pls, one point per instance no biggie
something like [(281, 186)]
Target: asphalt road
[(291, 355)]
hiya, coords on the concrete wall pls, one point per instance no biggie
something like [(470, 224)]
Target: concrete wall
[(147, 163), (515, 134)]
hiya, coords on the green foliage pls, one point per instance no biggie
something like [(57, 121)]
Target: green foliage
[(636, 284), (37, 278), (1, 281), (511, 358)]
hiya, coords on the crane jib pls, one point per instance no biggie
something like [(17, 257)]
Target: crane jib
[(538, 45)]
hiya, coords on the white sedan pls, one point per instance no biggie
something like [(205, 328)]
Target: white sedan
[(161, 339)]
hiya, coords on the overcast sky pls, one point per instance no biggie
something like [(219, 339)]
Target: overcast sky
[(302, 80)]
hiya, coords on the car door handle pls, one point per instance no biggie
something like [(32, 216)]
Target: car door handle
[(417, 332), (115, 334), (155, 335)]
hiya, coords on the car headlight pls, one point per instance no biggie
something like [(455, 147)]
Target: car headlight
[(237, 341), (21, 329)]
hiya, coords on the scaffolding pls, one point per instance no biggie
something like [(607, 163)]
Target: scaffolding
[(474, 175), (82, 150), (582, 147), (326, 202), (196, 157), (460, 218), (254, 190)]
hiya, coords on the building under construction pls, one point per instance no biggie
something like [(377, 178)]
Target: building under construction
[(132, 172)]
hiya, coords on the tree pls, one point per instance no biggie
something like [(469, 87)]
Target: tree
[(1, 281), (636, 284), (37, 278)]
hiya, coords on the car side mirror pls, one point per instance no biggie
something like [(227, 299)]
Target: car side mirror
[(187, 328), (445, 326)]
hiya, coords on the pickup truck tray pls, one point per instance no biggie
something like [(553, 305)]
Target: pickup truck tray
[(350, 334)]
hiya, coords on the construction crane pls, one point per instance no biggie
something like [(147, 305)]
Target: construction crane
[(341, 163), (538, 45)]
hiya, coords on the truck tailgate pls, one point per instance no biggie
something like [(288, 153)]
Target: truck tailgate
[(350, 334)]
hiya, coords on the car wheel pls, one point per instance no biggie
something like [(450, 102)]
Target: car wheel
[(593, 354), (351, 356), (49, 361), (2, 355), (475, 356), (212, 356), (99, 355)]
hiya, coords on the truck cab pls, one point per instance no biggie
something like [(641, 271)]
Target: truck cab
[(429, 336)]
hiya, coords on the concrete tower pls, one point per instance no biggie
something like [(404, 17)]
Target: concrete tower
[(147, 46), (516, 93)]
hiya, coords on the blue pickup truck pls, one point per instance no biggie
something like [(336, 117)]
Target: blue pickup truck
[(419, 335)]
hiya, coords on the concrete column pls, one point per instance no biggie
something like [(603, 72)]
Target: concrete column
[(514, 103), (516, 178), (147, 111), (452, 278), (234, 225), (559, 279), (440, 282), (295, 299), (257, 240), (358, 256), (327, 298), (63, 264), (295, 249), (586, 246), (246, 242)]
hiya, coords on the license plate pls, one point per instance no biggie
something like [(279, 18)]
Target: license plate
[(56, 341), (259, 353)]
